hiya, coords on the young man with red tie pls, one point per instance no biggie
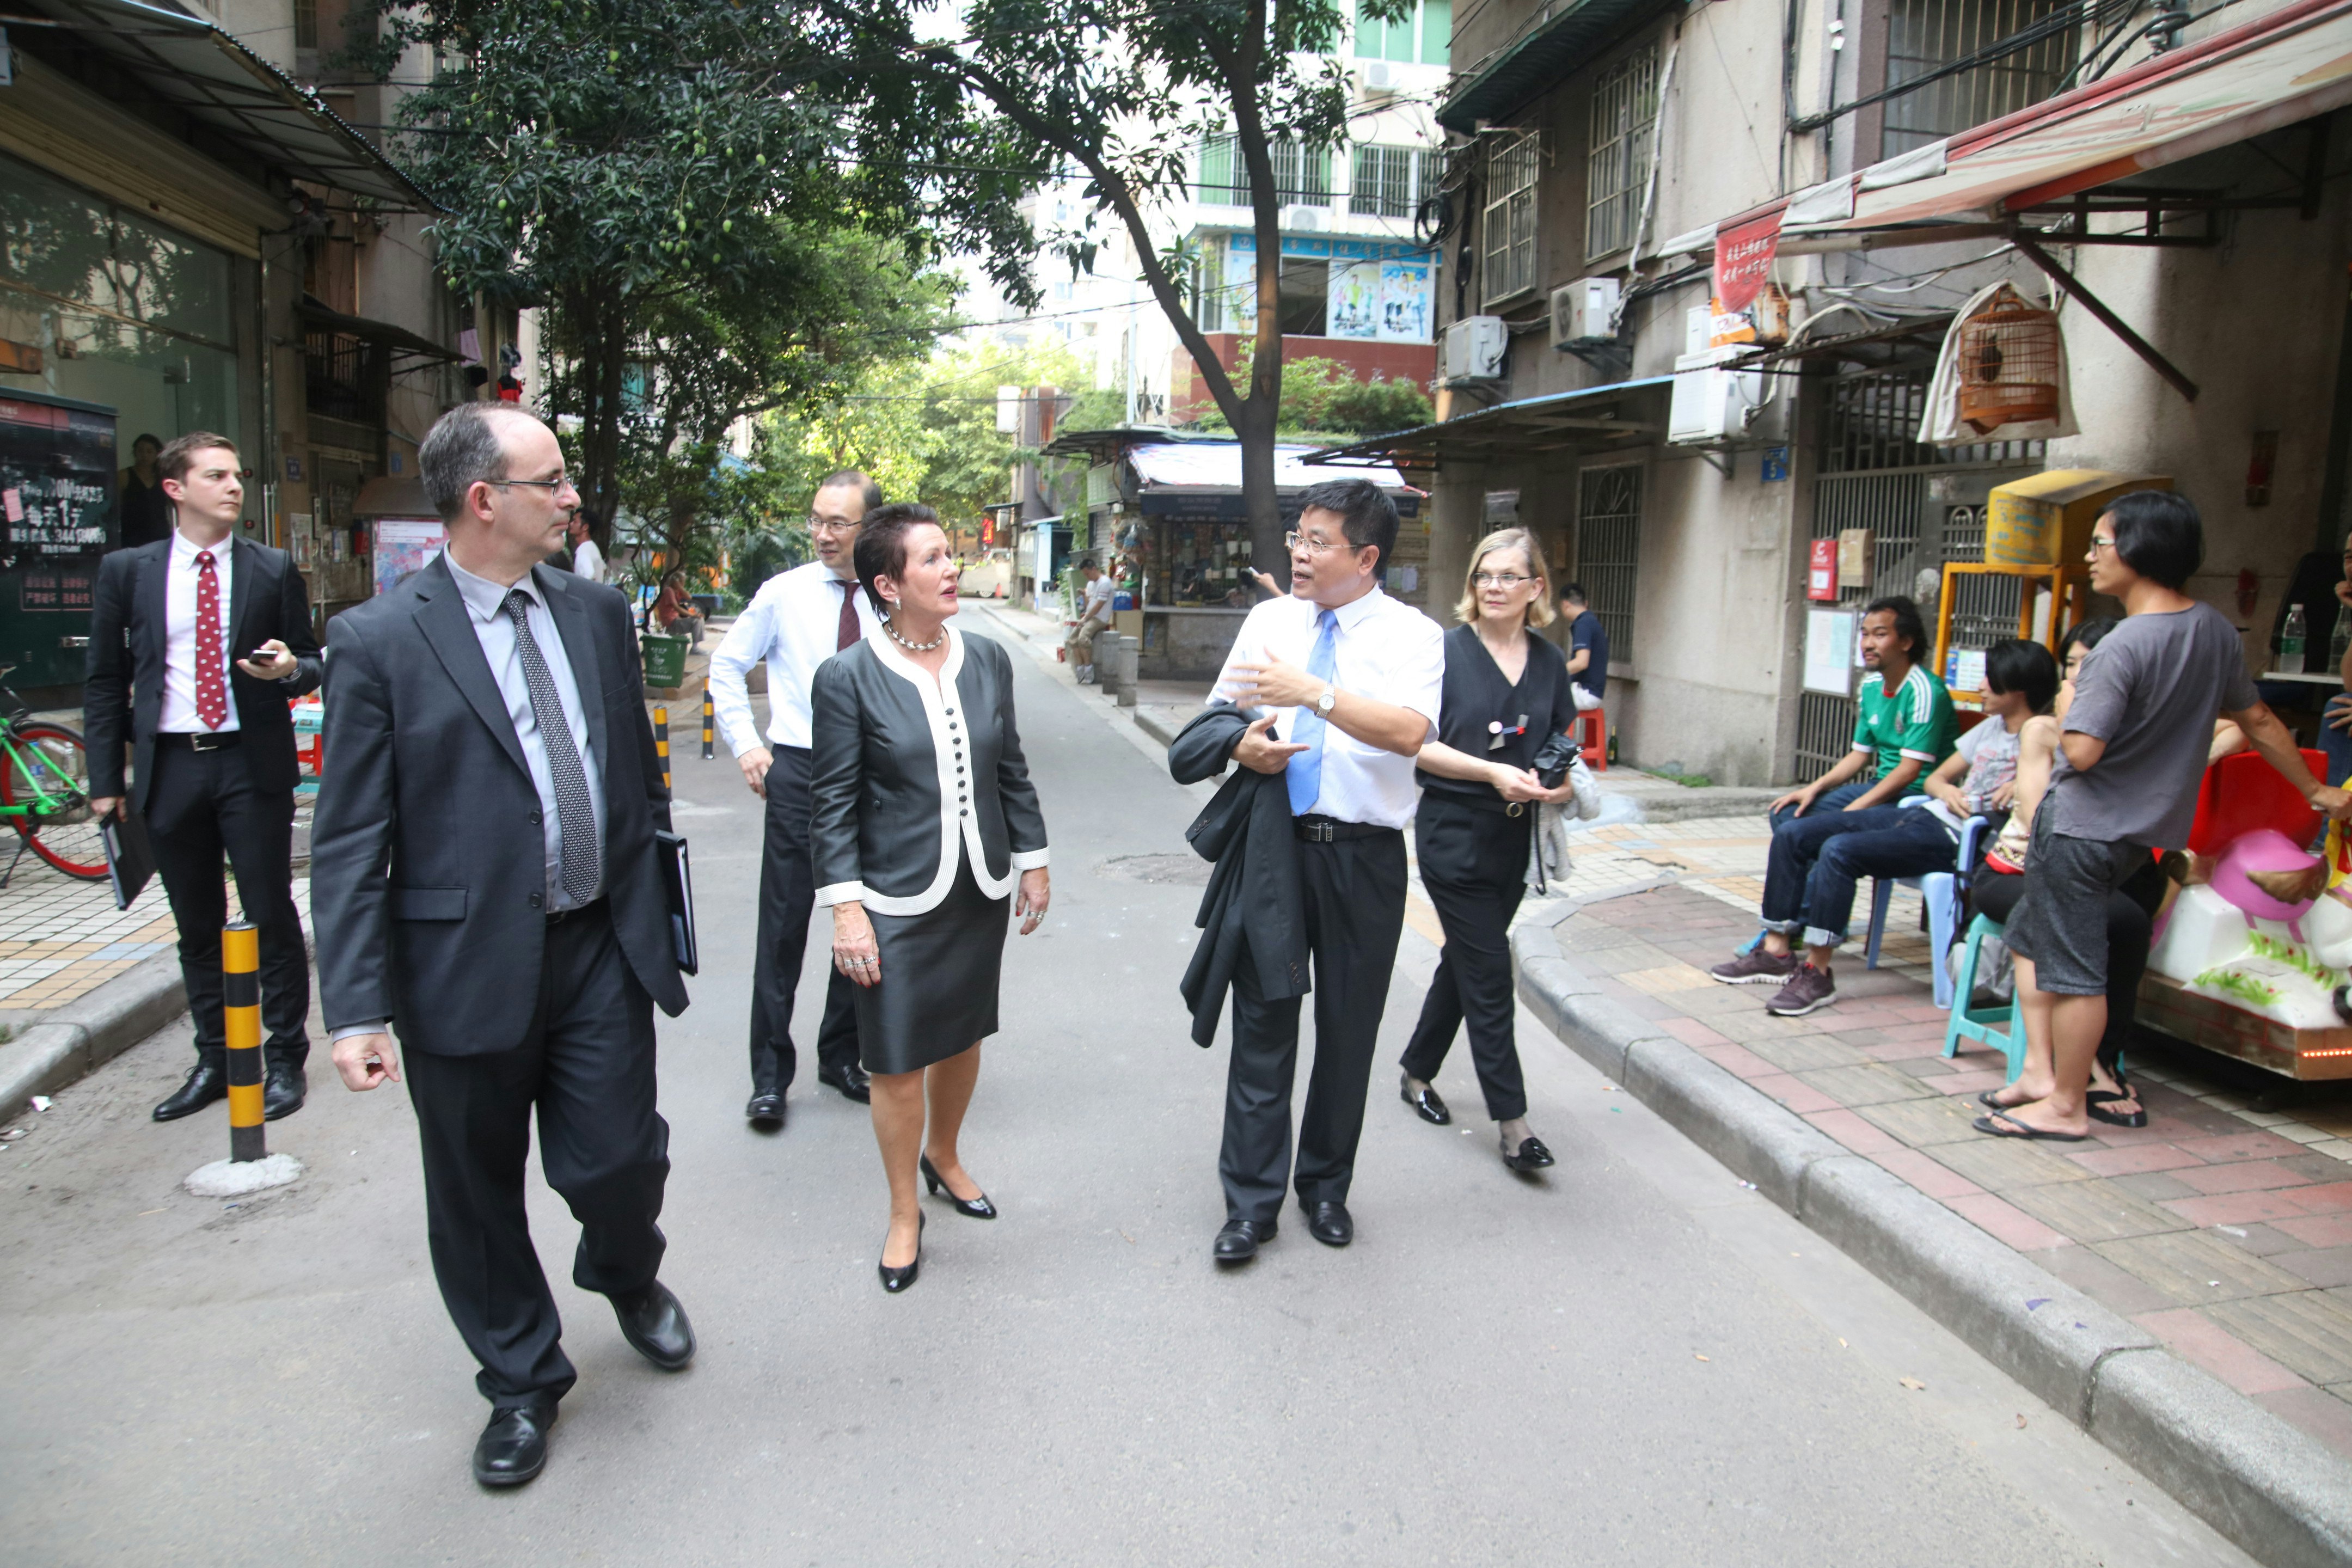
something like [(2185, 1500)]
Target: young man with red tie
[(196, 641), (798, 619)]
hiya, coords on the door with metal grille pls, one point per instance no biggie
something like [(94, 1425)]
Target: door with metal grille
[(1923, 505)]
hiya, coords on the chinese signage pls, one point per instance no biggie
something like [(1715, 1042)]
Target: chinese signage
[(1743, 261)]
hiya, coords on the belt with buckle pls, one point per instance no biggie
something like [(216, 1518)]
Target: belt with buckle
[(1331, 830), (200, 740)]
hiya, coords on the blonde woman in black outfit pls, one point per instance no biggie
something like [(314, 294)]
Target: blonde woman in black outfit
[(1506, 690)]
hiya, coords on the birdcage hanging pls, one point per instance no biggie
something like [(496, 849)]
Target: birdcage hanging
[(2009, 361)]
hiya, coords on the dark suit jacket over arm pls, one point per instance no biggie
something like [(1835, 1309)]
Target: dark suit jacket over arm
[(1253, 911)]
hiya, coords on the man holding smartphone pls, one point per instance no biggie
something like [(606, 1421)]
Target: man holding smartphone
[(197, 641)]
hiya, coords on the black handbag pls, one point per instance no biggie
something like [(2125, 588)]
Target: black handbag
[(1551, 760)]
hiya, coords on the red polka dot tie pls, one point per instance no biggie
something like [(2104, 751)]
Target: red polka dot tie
[(212, 670)]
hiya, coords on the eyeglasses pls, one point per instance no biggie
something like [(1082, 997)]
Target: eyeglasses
[(2098, 544), (833, 524), (1296, 541), (550, 486), (1497, 579)]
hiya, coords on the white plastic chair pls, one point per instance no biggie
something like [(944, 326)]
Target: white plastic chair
[(1940, 892)]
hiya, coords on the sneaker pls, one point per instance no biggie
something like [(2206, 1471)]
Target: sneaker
[(1808, 991), (1756, 966)]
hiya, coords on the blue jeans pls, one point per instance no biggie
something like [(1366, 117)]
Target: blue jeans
[(2337, 743), (1893, 842), (1796, 842)]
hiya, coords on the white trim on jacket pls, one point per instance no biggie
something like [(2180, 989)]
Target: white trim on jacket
[(945, 742)]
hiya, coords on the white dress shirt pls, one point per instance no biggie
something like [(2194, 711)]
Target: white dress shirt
[(180, 716), (1384, 651), (494, 629), (587, 560), (793, 623)]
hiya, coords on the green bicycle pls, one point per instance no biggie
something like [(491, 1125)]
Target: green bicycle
[(45, 792)]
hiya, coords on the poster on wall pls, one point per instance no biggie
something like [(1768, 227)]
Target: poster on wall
[(1354, 308), (1405, 302), (1830, 647), (1241, 284), (403, 545)]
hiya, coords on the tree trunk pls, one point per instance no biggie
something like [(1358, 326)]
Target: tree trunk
[(1254, 431)]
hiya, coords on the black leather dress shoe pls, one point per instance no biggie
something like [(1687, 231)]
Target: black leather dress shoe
[(852, 1081), (282, 1089), (513, 1449), (653, 1322), (1330, 1224), (1425, 1103), (765, 1111), (1532, 1156), (1241, 1238), (205, 1084)]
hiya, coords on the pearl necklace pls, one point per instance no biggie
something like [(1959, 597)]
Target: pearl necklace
[(916, 647)]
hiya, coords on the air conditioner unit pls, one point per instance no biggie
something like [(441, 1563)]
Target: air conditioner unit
[(1473, 349), (1378, 77), (1304, 219), (1711, 403), (1584, 311)]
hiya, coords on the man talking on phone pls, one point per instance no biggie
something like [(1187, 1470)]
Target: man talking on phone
[(196, 642)]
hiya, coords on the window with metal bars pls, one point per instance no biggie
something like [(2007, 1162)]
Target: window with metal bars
[(1386, 182), (306, 24), (1302, 174), (1508, 224), (1922, 35), (1624, 123), (1609, 547)]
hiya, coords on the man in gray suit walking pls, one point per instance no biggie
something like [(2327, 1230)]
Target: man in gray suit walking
[(485, 880)]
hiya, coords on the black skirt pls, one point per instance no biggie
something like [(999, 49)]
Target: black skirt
[(937, 996)]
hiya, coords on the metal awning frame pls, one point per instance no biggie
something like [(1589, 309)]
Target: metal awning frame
[(400, 339), (1564, 421)]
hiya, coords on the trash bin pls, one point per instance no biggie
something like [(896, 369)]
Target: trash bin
[(665, 660)]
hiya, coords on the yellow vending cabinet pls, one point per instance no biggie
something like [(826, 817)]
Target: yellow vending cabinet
[(2045, 520)]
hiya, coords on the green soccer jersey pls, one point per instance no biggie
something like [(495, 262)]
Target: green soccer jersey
[(1916, 720)]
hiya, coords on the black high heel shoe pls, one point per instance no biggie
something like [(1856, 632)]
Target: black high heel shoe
[(977, 1208), (897, 1279)]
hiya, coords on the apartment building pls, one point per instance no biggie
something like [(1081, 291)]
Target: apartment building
[(1698, 263)]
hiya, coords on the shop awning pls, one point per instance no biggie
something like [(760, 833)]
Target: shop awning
[(1207, 465), (201, 69), (1104, 446), (2275, 70), (1537, 61), (318, 318), (1598, 420)]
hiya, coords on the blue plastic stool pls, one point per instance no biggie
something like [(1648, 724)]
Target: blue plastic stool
[(1984, 1028)]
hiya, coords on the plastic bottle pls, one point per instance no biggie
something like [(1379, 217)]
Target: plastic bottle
[(2291, 640)]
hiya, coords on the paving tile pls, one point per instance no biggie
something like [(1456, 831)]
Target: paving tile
[(2309, 1331), (2195, 1267), (2261, 1240), (2329, 1268), (1855, 1132), (2114, 1288), (2250, 1144), (1787, 1089), (2335, 1197), (1738, 1060), (2319, 1230), (1923, 1172), (2134, 1160), (2156, 1186), (1804, 1053), (2231, 1208), (2004, 1224), (2001, 1163), (1929, 1070), (1692, 1032), (2243, 1176), (1923, 1123), (2194, 1337), (2095, 1210), (2324, 1416), (1666, 979), (1866, 1083), (1748, 1022)]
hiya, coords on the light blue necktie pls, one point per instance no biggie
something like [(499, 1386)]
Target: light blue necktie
[(1306, 770)]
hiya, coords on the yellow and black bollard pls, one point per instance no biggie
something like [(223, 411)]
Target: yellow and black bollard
[(661, 741), (706, 726), (241, 1004)]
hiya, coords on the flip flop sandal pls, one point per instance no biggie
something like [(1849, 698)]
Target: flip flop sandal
[(2003, 1125), (2099, 1099), (1990, 1103)]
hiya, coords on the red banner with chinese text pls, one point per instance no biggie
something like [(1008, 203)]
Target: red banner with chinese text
[(1743, 261)]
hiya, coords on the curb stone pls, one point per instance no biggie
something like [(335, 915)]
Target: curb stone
[(2272, 1489), (73, 1040)]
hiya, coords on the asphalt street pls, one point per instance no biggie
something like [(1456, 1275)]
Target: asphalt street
[(1631, 1360)]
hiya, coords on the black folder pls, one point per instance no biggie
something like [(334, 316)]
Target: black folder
[(678, 883), (129, 861)]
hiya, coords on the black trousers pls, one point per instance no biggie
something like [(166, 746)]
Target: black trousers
[(1355, 912), (2131, 922), (201, 806), (586, 1066), (787, 895), (1474, 864)]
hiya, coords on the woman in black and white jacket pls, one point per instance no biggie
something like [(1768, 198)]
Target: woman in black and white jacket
[(923, 820)]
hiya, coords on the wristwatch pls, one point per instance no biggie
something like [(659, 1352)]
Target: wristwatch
[(1324, 703)]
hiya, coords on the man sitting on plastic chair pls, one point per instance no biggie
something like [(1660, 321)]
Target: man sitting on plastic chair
[(1912, 840)]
